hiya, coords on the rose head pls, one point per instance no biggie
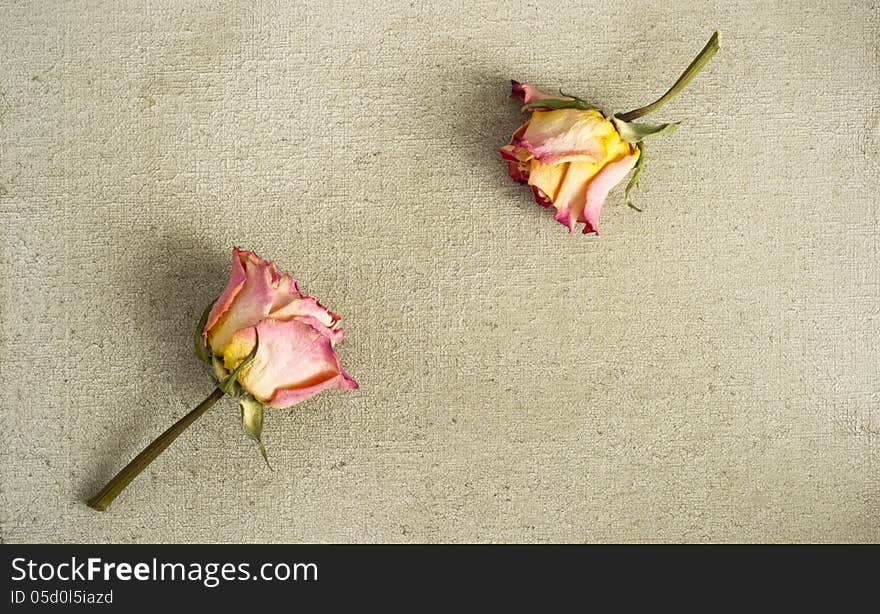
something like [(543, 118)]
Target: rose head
[(572, 154), (571, 157), (295, 358)]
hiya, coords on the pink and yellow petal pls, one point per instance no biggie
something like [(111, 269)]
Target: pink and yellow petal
[(251, 303), (540, 197), (546, 177), (291, 396), (527, 93), (237, 279), (517, 157), (518, 171), (610, 175), (570, 199), (568, 135), (255, 291), (293, 362), (305, 307)]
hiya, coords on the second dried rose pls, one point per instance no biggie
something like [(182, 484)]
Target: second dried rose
[(570, 157)]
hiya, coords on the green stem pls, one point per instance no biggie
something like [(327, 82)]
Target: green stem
[(686, 77), (114, 487)]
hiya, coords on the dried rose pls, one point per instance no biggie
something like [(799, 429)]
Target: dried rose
[(270, 346), (571, 158), (572, 154), (295, 359)]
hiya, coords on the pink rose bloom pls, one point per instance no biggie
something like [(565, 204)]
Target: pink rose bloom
[(295, 359), (570, 157)]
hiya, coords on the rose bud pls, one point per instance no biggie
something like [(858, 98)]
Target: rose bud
[(295, 358), (572, 154), (270, 346), (570, 157)]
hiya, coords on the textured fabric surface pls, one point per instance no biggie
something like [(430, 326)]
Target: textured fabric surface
[(706, 370)]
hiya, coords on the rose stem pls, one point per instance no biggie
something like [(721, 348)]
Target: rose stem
[(686, 77), (114, 487)]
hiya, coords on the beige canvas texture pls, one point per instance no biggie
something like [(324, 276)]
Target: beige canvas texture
[(706, 370)]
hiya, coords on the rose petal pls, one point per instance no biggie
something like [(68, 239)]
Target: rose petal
[(305, 307), (541, 198), (255, 291), (294, 361), (236, 280), (610, 175), (569, 135), (250, 302), (528, 93), (287, 397), (547, 178), (518, 171), (570, 200)]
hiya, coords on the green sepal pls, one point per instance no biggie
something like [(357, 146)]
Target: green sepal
[(201, 348), (252, 422), (220, 371), (228, 385), (634, 180), (633, 132), (559, 103), (221, 374)]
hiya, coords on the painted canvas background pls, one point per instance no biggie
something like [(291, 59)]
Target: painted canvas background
[(705, 370)]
